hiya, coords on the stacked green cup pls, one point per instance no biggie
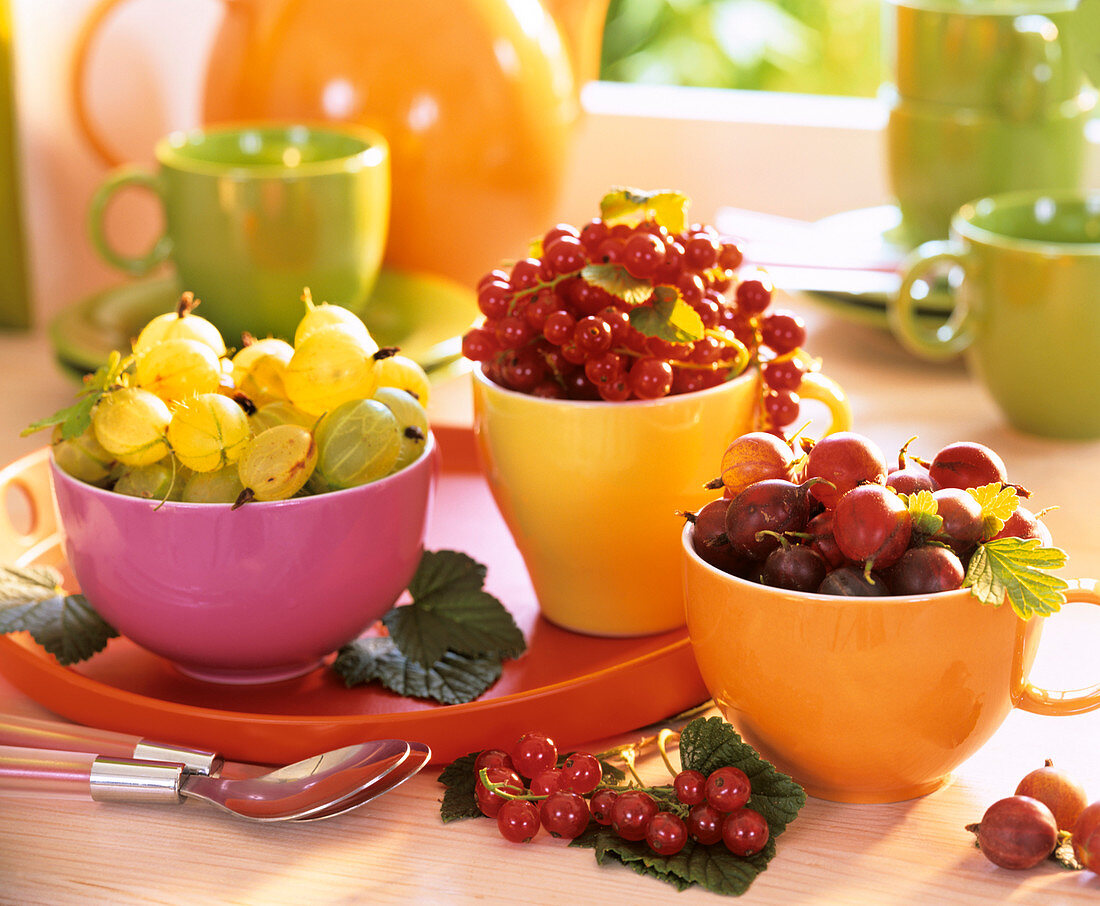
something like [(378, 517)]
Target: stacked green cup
[(988, 96)]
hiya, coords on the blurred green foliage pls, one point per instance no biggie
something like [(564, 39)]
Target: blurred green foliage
[(811, 46)]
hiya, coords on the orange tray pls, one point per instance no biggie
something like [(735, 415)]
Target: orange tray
[(576, 688)]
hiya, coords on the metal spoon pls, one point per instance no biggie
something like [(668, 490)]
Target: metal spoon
[(304, 789), (418, 757)]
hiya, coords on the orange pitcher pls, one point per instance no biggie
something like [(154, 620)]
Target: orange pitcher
[(478, 99)]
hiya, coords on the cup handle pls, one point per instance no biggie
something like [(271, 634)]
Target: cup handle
[(78, 79), (137, 265), (816, 386), (1078, 701), (957, 332)]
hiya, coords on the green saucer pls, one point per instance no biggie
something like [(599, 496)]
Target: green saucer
[(422, 314)]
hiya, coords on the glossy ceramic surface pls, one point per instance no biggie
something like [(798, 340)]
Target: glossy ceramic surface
[(255, 594), (865, 699), (1027, 310), (478, 99), (592, 492), (256, 213), (127, 689), (985, 98), (940, 156)]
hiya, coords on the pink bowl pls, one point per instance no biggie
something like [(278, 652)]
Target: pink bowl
[(256, 594)]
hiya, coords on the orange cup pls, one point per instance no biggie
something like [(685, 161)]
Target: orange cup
[(591, 491), (865, 699)]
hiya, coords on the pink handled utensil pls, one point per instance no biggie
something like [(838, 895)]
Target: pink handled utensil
[(35, 733), (320, 786)]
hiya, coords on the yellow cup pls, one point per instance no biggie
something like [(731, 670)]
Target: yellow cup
[(591, 491), (865, 699)]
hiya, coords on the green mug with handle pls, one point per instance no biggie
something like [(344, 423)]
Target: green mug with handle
[(254, 214), (1024, 275)]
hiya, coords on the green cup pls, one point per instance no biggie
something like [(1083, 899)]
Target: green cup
[(987, 97), (939, 156), (1024, 272), (255, 214)]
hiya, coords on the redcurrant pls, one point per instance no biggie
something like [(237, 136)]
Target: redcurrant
[(534, 753), (518, 820), (666, 834), (744, 832), (705, 823), (631, 814), (690, 787), (565, 814), (727, 788), (581, 773)]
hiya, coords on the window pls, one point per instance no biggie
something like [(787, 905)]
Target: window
[(805, 46)]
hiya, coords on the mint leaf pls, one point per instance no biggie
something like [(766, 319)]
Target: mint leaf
[(451, 612), (1018, 570), (668, 317), (614, 279), (459, 782), (632, 206), (923, 512), (453, 680)]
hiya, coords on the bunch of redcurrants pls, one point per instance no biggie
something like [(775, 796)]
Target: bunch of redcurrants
[(591, 316), (525, 789)]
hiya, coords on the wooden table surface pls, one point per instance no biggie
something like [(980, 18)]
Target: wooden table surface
[(396, 850)]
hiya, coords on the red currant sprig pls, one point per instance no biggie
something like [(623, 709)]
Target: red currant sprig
[(707, 809)]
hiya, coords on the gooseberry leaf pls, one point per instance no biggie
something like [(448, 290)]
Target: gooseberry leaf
[(77, 418), (453, 679), (1018, 570), (923, 512), (66, 626), (667, 317), (615, 280), (633, 206), (998, 503), (450, 611)]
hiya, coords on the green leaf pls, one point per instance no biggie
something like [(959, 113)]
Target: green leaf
[(709, 743), (1017, 570), (459, 782), (67, 626), (443, 571), (706, 744), (713, 867), (614, 279), (451, 612), (77, 418), (669, 317), (998, 503), (31, 583), (454, 679), (632, 206), (924, 512)]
